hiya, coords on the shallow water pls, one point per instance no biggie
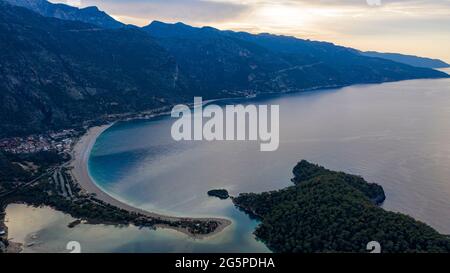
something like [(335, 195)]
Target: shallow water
[(394, 134), (45, 230)]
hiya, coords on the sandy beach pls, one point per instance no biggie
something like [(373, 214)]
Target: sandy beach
[(80, 173)]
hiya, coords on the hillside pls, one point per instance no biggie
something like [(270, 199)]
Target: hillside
[(237, 61), (56, 73)]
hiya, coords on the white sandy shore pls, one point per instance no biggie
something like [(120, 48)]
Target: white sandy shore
[(80, 173)]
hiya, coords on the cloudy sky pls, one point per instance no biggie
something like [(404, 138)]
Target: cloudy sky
[(420, 27)]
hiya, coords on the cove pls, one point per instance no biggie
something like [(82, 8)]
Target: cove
[(394, 134)]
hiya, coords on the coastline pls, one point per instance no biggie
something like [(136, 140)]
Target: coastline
[(80, 174)]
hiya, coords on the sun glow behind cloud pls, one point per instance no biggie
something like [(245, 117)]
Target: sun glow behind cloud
[(406, 26), (280, 15)]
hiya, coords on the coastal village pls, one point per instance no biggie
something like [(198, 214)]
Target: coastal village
[(60, 183), (53, 141), (46, 179), (62, 141)]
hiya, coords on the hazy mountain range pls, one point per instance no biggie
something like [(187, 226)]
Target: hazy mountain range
[(408, 59), (60, 65), (93, 15)]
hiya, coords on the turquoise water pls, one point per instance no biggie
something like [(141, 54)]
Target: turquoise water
[(45, 230), (394, 134)]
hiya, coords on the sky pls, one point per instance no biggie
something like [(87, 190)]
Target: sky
[(419, 27)]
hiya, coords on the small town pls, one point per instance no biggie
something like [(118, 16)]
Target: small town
[(60, 141)]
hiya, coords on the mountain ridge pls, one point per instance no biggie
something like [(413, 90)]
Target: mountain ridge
[(270, 62), (58, 73), (90, 14), (95, 16), (409, 59)]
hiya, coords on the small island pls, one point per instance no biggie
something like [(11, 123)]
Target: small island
[(221, 193)]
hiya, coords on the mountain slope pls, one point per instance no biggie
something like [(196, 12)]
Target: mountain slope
[(91, 15), (238, 61), (55, 73), (58, 73), (408, 59)]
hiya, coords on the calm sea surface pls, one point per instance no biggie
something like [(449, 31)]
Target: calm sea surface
[(394, 134)]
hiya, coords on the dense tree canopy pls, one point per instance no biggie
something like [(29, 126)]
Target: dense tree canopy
[(328, 211)]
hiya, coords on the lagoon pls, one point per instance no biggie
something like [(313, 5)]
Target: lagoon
[(394, 134)]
